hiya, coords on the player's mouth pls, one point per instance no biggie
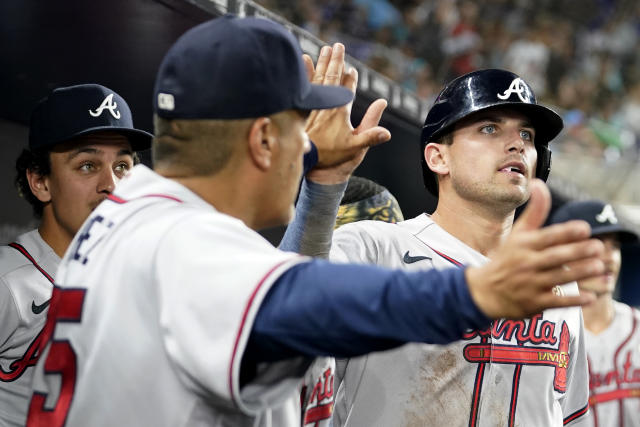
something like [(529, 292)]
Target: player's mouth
[(95, 203), (514, 168)]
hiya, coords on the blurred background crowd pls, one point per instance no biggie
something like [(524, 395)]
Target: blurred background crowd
[(583, 57)]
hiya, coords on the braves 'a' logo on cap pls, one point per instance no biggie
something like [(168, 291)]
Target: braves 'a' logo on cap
[(107, 104), (607, 215), (518, 87)]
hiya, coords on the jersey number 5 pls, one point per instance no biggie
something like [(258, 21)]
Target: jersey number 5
[(66, 306)]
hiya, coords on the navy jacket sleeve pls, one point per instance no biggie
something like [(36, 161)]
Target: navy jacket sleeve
[(320, 308)]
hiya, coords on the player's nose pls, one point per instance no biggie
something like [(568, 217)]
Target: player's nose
[(107, 181), (515, 143)]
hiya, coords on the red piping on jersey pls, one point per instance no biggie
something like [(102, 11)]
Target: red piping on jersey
[(514, 395), (448, 258), (477, 389), (594, 413), (615, 357), (622, 393), (244, 319), (27, 255), (120, 200), (575, 415)]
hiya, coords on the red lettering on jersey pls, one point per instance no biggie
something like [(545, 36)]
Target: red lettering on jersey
[(317, 410), (533, 331), (628, 375), (526, 355)]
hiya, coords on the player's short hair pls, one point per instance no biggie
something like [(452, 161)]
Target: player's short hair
[(204, 146), (37, 161), (197, 147)]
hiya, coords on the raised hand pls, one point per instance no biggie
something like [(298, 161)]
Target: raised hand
[(341, 148), (519, 280)]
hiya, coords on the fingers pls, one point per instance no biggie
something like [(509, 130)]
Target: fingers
[(350, 79), (559, 255), (551, 300), (330, 65), (308, 65), (373, 115), (371, 137), (557, 234), (537, 209), (322, 65), (570, 272), (333, 76)]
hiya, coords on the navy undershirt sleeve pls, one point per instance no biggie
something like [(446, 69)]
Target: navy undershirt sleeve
[(310, 159), (324, 309)]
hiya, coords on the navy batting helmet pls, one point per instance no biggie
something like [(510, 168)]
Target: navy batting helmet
[(481, 90)]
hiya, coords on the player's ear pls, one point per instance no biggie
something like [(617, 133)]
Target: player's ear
[(262, 142), (39, 185), (436, 156)]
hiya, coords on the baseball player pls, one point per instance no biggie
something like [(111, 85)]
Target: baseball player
[(612, 333), (484, 141), (81, 142), (363, 199), (167, 287)]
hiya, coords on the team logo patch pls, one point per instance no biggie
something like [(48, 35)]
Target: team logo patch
[(517, 86), (107, 104), (607, 215), (166, 101)]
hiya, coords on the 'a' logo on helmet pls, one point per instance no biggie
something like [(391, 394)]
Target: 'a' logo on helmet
[(107, 104), (518, 87), (607, 214)]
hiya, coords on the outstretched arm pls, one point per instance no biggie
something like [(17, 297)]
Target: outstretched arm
[(320, 308), (340, 149)]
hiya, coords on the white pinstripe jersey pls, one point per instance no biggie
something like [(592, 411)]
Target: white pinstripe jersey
[(614, 370), (516, 373), (25, 288), (156, 299)]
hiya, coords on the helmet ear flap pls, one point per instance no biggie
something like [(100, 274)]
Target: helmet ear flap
[(544, 162)]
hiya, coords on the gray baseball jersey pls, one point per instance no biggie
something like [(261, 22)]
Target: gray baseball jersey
[(516, 373), (26, 266), (156, 299), (614, 370)]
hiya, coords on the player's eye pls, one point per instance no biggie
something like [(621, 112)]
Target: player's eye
[(87, 167), (488, 129), (526, 135), (121, 169)]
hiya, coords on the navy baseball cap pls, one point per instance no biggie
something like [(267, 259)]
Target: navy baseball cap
[(73, 111), (600, 216), (238, 68)]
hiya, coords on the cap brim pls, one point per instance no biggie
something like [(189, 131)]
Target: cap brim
[(139, 139), (322, 97), (624, 235)]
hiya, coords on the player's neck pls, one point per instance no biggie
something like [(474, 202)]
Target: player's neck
[(599, 314), (480, 227), (226, 194), (54, 234)]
